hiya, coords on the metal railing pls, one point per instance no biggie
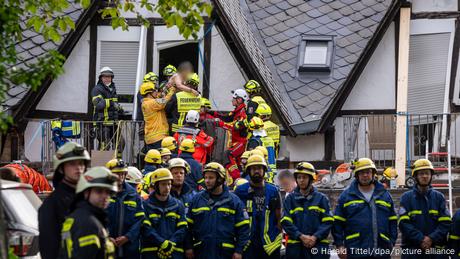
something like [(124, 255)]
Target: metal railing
[(374, 136)]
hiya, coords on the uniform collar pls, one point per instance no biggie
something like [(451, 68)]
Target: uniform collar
[(99, 213)]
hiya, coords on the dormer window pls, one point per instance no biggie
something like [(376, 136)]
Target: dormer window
[(315, 54)]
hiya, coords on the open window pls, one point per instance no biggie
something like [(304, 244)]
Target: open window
[(315, 54)]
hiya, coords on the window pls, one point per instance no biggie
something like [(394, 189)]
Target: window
[(315, 54)]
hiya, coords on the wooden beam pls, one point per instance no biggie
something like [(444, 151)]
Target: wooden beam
[(92, 65), (207, 58), (401, 104), (436, 15), (149, 53)]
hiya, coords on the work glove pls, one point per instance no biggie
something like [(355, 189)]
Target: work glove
[(166, 249)]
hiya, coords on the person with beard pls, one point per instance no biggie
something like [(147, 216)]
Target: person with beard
[(180, 190), (424, 219), (263, 205), (165, 226), (306, 204), (70, 161), (125, 214), (218, 223), (364, 218), (84, 233)]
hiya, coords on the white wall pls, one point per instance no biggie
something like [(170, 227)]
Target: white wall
[(434, 5), (225, 73), (69, 92), (375, 88), (339, 141), (33, 141), (306, 148)]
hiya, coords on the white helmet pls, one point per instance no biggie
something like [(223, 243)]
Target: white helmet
[(134, 176), (192, 117), (106, 71), (240, 93)]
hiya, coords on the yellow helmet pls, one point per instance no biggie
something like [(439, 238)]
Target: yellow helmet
[(147, 178), (98, 176), (363, 164), (422, 164), (264, 151), (117, 166), (263, 109), (256, 160), (178, 162), (193, 79), (246, 154), (216, 168), (150, 77), (134, 176), (252, 86), (68, 152), (238, 182), (169, 143), (206, 103), (160, 174), (169, 70), (390, 173), (187, 145), (256, 123), (258, 99), (256, 152), (148, 87), (305, 168), (153, 156), (164, 151)]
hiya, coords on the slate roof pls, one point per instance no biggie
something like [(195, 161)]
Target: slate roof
[(277, 27), (32, 47)]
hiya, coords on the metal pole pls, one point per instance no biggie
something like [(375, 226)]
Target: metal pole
[(139, 68), (449, 166)]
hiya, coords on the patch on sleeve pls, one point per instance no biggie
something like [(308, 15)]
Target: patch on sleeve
[(401, 211), (245, 214)]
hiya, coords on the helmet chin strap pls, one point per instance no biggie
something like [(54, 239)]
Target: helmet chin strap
[(219, 182)]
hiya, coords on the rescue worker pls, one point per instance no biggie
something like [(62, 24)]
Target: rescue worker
[(286, 182), (364, 216), (70, 161), (205, 110), (454, 235), (171, 144), (424, 219), (165, 156), (136, 180), (84, 233), (152, 161), (149, 77), (165, 226), (245, 174), (105, 107), (168, 72), (238, 182), (218, 223), (235, 122), (125, 214), (264, 111), (259, 138), (306, 204), (254, 89), (191, 130), (195, 178), (244, 159), (153, 107), (263, 205), (270, 176), (184, 101), (180, 189)]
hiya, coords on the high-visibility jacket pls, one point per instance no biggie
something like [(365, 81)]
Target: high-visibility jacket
[(104, 99), (454, 235), (179, 105), (306, 215), (84, 234), (156, 125), (203, 142), (362, 224), (267, 227), (235, 122), (273, 131), (423, 214), (164, 221), (186, 195), (125, 214), (195, 178), (251, 108), (219, 226), (268, 143)]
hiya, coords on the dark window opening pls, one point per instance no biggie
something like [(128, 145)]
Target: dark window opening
[(176, 55)]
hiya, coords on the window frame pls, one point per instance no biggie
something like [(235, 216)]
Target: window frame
[(302, 67)]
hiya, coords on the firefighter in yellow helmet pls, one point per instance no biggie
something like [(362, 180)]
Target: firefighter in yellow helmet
[(171, 144), (195, 178), (304, 237), (263, 205), (180, 189), (166, 226), (264, 111), (165, 156), (217, 219), (254, 90), (365, 216), (84, 233), (152, 161), (244, 159), (184, 101)]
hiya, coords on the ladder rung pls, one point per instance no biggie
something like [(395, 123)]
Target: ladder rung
[(438, 154)]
